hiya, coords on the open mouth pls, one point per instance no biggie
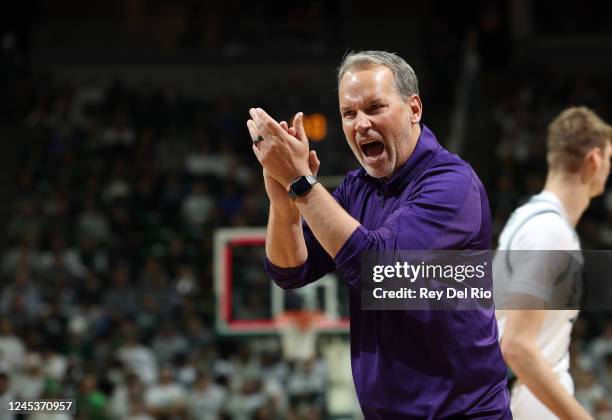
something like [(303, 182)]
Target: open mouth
[(373, 149)]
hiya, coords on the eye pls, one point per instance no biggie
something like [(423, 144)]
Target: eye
[(348, 114), (375, 107)]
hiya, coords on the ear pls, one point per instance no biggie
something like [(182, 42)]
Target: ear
[(416, 106), (592, 162)]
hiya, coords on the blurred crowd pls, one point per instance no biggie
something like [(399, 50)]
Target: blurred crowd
[(264, 29), (106, 290)]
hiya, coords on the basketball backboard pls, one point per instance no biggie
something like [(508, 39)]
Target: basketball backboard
[(249, 302)]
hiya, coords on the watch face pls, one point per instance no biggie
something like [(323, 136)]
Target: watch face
[(302, 185)]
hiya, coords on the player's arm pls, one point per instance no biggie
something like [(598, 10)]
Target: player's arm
[(521, 352)]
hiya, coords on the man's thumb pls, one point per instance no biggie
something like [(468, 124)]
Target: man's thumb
[(298, 124)]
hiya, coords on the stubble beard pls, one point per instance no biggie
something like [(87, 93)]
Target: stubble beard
[(380, 172)]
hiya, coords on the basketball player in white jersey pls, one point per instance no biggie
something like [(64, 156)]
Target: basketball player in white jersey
[(535, 341)]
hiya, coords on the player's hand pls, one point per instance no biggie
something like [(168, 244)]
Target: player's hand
[(284, 156)]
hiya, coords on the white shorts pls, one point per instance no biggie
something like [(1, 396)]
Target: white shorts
[(525, 405)]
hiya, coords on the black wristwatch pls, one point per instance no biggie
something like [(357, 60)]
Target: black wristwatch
[(300, 186)]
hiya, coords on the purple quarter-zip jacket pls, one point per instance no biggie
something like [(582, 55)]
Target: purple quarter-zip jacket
[(415, 364)]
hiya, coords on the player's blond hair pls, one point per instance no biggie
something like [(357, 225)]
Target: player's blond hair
[(572, 134)]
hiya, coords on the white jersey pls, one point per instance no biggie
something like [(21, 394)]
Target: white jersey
[(540, 224)]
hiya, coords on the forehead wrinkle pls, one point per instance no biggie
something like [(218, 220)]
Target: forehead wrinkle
[(356, 90), (360, 96)]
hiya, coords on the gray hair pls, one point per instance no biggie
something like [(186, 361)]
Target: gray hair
[(405, 79)]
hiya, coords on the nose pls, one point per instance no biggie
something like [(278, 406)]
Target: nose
[(362, 123)]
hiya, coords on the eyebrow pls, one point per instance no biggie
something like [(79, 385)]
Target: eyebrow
[(370, 102)]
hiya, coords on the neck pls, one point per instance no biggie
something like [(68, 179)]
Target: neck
[(416, 133), (413, 138), (573, 194)]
